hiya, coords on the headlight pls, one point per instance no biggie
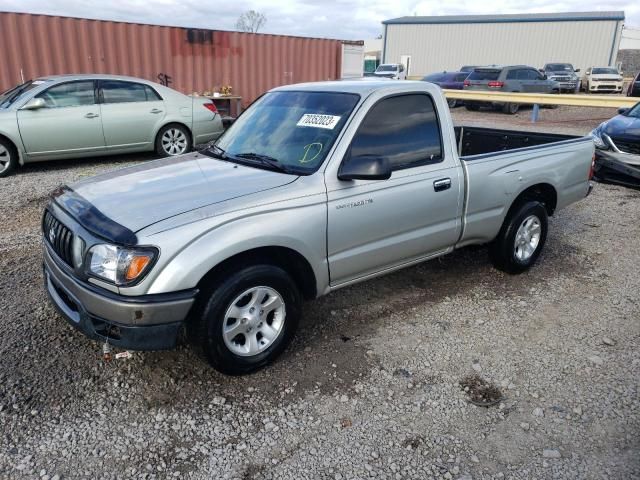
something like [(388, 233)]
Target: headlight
[(597, 138), (119, 265)]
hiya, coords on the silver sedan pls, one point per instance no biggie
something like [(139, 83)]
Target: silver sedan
[(72, 116)]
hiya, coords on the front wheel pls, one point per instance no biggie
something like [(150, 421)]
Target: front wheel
[(521, 238), (245, 321), (173, 140), (8, 158), (511, 108)]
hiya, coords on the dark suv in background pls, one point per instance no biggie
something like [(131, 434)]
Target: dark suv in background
[(513, 78)]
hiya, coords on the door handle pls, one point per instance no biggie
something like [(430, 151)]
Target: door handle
[(156, 110), (91, 115), (442, 184)]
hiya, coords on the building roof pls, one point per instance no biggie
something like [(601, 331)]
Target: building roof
[(510, 18)]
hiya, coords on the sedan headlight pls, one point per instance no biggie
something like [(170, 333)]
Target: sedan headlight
[(119, 265), (596, 136)]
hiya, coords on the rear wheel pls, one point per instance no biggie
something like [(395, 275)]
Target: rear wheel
[(521, 238), (173, 140), (245, 321), (8, 158), (452, 102), (511, 108)]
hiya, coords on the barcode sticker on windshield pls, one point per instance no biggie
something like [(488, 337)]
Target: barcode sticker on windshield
[(318, 121)]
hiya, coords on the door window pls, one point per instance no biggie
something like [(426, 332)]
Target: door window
[(116, 91), (404, 129), (70, 94), (513, 74)]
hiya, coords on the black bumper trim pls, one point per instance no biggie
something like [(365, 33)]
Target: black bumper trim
[(134, 337)]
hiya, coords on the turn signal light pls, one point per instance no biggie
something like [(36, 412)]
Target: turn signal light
[(136, 266)]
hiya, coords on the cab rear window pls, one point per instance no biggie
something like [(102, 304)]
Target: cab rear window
[(484, 75)]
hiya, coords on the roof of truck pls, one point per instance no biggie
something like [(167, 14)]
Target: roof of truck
[(354, 86)]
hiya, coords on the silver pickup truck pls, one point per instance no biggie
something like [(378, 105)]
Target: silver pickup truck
[(315, 187)]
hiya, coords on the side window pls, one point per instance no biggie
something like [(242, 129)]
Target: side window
[(116, 91), (512, 74), (534, 75), (461, 77), (70, 94), (404, 129)]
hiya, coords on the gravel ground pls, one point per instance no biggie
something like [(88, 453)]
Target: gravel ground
[(371, 386)]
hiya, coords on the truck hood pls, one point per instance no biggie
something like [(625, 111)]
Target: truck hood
[(131, 199)]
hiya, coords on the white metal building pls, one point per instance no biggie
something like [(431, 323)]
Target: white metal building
[(431, 44)]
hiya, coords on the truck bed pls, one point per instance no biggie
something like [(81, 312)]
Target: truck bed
[(499, 164), (473, 141)]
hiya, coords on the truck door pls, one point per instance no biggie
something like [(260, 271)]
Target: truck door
[(374, 225)]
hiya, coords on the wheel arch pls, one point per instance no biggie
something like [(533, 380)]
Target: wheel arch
[(291, 261), (13, 144), (542, 192)]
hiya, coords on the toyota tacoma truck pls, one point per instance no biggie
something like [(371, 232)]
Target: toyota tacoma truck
[(315, 187)]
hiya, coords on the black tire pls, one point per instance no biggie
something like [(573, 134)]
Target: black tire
[(511, 108), (208, 319), (472, 107), (163, 150), (503, 250), (8, 158), (452, 102)]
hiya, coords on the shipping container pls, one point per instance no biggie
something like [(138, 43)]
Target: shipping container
[(188, 60)]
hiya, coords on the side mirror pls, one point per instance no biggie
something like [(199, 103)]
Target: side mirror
[(35, 104), (541, 70), (622, 110), (577, 70), (365, 167)]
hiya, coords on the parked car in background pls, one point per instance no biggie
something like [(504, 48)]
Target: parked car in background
[(602, 80), (634, 87), (617, 144), (71, 116), (513, 78), (564, 74), (395, 71), (315, 187), (451, 80)]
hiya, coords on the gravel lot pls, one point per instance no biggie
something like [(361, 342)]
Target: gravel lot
[(371, 386)]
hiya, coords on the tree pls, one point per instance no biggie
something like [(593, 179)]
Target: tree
[(251, 21)]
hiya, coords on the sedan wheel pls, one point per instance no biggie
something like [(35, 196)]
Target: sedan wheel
[(174, 142), (8, 158)]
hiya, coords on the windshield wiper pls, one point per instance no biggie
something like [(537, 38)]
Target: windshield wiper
[(271, 162), (216, 152)]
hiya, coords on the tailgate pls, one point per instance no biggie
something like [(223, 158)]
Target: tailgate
[(480, 78)]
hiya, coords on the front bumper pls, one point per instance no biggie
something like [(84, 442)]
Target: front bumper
[(149, 322), (605, 87)]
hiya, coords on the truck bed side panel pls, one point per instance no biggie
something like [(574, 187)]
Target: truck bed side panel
[(495, 180)]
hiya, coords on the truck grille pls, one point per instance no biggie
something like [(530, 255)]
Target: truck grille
[(58, 236), (627, 147), (562, 79)]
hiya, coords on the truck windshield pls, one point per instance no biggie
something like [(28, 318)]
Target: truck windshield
[(607, 71), (291, 132), (558, 67), (387, 68)]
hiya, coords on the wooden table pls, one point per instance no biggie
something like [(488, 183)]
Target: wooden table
[(224, 104)]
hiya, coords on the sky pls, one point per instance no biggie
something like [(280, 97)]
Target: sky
[(342, 19)]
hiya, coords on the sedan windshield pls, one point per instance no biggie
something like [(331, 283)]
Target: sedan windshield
[(633, 111), (434, 77), (9, 97), (387, 68), (291, 132), (608, 71)]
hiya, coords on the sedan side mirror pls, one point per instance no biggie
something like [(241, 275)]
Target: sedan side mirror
[(365, 167), (577, 70), (622, 110), (35, 104)]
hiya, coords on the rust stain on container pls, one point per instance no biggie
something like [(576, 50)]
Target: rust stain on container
[(189, 60)]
